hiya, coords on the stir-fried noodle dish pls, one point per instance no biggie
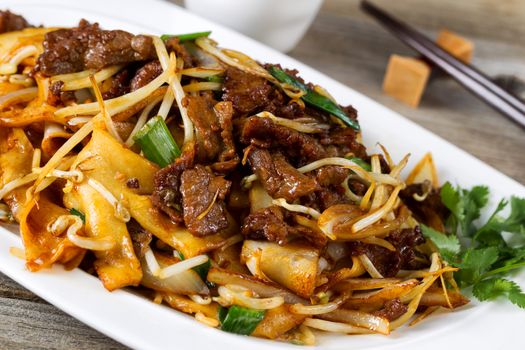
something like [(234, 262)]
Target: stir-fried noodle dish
[(226, 188)]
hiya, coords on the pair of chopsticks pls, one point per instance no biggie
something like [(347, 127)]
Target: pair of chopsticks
[(468, 76)]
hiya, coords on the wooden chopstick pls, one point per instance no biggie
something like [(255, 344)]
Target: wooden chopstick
[(467, 75)]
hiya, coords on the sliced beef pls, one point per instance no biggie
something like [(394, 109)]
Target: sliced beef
[(263, 132), (56, 96), (146, 74), (387, 262), (166, 194), (341, 141), (200, 111), (119, 85), (247, 92), (431, 211), (392, 309), (180, 50), (325, 197), (228, 158), (10, 22), (89, 47), (203, 201), (278, 177), (331, 175), (140, 237), (272, 224)]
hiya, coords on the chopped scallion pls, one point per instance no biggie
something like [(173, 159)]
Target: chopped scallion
[(185, 37), (361, 163), (157, 143), (240, 320), (313, 98), (78, 213)]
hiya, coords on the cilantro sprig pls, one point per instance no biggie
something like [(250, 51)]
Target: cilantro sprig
[(484, 252)]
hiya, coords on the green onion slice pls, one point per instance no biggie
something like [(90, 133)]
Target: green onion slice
[(313, 98), (361, 163), (78, 213), (185, 37), (157, 143), (240, 320)]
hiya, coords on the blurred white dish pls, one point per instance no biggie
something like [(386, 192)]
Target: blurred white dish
[(277, 23)]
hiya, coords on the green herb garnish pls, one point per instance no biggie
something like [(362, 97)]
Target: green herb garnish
[(78, 213), (361, 163), (481, 251)]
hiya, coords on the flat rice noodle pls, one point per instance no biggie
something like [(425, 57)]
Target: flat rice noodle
[(378, 298), (34, 112), (188, 306), (293, 265), (437, 298), (262, 288), (117, 267), (42, 248), (229, 258), (111, 164), (16, 155), (54, 138), (277, 321)]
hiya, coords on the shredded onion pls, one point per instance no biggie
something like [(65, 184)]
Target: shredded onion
[(81, 80), (151, 261), (336, 327), (380, 242), (12, 66), (182, 266), (315, 309), (202, 86), (369, 266), (359, 319), (376, 215), (230, 296), (307, 128), (18, 96), (296, 208)]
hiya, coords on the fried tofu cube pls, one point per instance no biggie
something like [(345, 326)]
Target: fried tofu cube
[(456, 45), (405, 79)]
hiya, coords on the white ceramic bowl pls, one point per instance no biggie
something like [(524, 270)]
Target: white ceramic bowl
[(277, 23)]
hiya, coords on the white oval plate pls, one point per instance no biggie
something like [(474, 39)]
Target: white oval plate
[(141, 324)]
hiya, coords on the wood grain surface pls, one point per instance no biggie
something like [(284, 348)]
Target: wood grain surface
[(350, 47)]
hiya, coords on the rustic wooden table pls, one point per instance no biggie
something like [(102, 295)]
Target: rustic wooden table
[(353, 49)]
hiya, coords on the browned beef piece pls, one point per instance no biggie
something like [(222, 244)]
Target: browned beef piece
[(266, 224), (325, 197), (278, 177), (341, 141), (387, 262), (427, 210), (357, 187), (272, 225), (146, 74), (203, 196), (166, 194), (140, 237), (180, 50), (247, 92), (263, 132), (228, 158), (10, 22), (331, 175), (207, 128), (87, 46), (392, 309), (405, 240), (56, 96), (119, 85)]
